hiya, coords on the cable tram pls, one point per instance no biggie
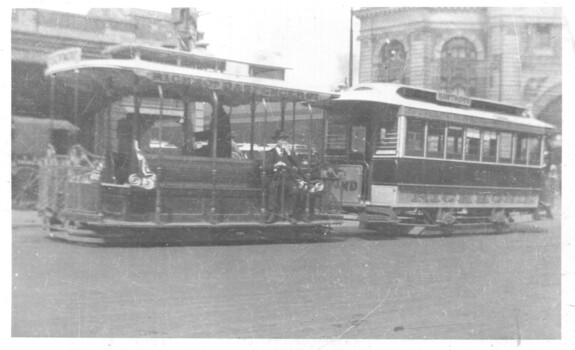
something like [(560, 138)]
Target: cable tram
[(418, 161), (145, 164)]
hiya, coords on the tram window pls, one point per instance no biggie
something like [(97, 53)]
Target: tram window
[(454, 142), (521, 149), (435, 139), (336, 137), (489, 146), (472, 144), (168, 141), (505, 147), (534, 151), (358, 134), (414, 139)]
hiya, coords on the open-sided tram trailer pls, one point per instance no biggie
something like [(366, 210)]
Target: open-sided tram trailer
[(420, 161), (129, 190)]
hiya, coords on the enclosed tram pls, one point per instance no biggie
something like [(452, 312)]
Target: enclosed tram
[(144, 164), (415, 161)]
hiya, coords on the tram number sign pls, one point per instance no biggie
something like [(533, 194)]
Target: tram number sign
[(72, 55)]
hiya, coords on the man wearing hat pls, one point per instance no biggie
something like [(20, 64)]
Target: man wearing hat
[(281, 169)]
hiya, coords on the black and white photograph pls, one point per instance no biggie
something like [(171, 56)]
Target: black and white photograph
[(319, 175)]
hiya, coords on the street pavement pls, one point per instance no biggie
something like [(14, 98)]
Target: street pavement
[(350, 284)]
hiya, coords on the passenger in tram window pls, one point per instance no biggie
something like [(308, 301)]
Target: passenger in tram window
[(236, 152), (223, 149), (281, 168), (124, 150)]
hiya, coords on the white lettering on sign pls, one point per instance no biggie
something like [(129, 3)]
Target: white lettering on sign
[(473, 198), (72, 55), (455, 99), (349, 188)]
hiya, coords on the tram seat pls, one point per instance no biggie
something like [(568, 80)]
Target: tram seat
[(197, 172)]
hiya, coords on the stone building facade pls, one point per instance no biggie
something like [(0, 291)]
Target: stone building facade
[(36, 33), (511, 55)]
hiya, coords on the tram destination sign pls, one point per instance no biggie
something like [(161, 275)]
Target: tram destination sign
[(72, 55), (454, 99), (233, 87), (422, 196), (415, 196)]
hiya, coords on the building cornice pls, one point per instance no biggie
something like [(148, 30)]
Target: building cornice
[(369, 12)]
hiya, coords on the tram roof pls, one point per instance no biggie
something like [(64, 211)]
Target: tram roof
[(158, 54), (416, 102), (120, 75)]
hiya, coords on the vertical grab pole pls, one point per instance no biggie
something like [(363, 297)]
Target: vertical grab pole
[(293, 129), (52, 103), (308, 174), (158, 208), (76, 117), (282, 114), (214, 155), (252, 125), (136, 118), (53, 184), (265, 181)]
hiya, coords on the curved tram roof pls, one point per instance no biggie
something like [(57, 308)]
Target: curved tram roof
[(421, 103), (120, 76)]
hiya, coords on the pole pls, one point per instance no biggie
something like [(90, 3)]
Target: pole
[(263, 171), (351, 47), (52, 106), (293, 129), (214, 156), (158, 209), (76, 116), (252, 125), (308, 174), (282, 114)]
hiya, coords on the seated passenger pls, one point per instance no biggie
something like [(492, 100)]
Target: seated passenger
[(236, 152)]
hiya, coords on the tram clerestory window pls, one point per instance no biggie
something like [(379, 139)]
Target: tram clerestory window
[(489, 146), (472, 144), (521, 149), (414, 137), (505, 147), (534, 150), (435, 139), (454, 142)]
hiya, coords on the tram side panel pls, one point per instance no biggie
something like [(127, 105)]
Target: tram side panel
[(404, 183)]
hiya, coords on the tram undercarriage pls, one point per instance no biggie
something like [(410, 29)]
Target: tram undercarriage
[(443, 221)]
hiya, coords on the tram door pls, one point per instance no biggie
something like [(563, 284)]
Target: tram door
[(361, 149)]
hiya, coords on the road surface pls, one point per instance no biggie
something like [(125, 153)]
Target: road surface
[(352, 284)]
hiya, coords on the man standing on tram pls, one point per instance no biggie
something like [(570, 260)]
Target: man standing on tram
[(281, 168)]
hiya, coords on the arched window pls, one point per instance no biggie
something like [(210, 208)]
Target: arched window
[(459, 67), (392, 62)]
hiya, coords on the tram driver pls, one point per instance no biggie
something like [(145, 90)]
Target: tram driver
[(281, 168)]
